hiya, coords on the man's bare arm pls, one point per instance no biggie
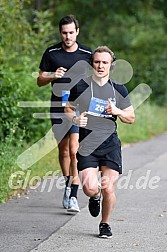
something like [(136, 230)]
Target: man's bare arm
[(80, 120), (45, 78), (126, 115)]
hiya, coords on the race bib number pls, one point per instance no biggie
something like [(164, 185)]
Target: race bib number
[(97, 107), (65, 96)]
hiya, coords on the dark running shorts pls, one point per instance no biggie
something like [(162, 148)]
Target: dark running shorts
[(61, 131), (112, 159)]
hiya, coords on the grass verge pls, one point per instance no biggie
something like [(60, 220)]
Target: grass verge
[(150, 121)]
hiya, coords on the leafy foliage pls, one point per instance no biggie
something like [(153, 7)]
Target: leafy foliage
[(19, 47), (135, 30)]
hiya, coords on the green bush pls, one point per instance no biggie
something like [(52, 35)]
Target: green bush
[(19, 58)]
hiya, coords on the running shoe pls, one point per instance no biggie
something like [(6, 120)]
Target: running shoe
[(73, 205), (94, 206), (104, 230), (66, 197)]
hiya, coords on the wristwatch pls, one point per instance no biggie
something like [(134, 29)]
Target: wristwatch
[(74, 120)]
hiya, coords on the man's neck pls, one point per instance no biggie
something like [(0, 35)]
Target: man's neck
[(73, 48), (100, 81)]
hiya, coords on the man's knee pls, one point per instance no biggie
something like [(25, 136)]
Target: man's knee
[(63, 150), (63, 153), (73, 156), (90, 191), (108, 190), (73, 150), (90, 187)]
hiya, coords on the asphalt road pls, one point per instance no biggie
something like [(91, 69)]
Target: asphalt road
[(37, 221)]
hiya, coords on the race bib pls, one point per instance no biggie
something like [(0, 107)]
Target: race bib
[(65, 96), (97, 107)]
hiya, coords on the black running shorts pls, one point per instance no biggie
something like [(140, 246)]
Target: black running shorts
[(62, 130), (112, 159)]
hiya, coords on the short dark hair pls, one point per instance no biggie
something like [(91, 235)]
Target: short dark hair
[(68, 20)]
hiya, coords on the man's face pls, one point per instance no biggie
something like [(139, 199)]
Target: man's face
[(101, 64), (69, 34)]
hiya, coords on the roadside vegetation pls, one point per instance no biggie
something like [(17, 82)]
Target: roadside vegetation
[(144, 128), (134, 30)]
